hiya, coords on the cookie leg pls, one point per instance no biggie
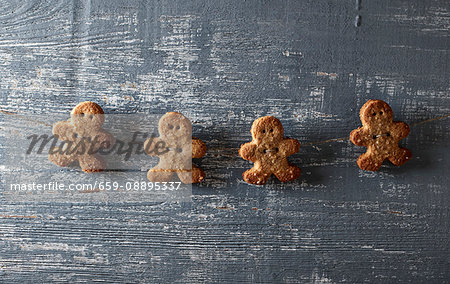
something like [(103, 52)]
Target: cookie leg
[(61, 159), (287, 174), (400, 156), (368, 162), (255, 176), (159, 175), (197, 175), (92, 163)]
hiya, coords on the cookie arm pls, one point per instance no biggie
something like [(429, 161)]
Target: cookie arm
[(400, 129), (247, 151), (150, 146), (64, 130), (290, 146), (198, 148), (358, 137), (105, 139)]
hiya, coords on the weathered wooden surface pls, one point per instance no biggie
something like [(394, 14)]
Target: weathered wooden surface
[(223, 64)]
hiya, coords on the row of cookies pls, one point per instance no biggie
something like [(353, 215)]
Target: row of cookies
[(268, 149)]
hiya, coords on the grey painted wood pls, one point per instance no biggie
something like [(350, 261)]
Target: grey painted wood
[(223, 64)]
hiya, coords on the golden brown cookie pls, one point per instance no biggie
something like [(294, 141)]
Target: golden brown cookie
[(175, 148), (269, 151), (83, 136), (381, 136)]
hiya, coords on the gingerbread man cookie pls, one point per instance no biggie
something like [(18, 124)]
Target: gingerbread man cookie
[(269, 151), (83, 136), (175, 148), (380, 135)]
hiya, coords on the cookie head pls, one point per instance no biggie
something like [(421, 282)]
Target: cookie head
[(376, 112), (87, 115), (174, 125), (267, 128)]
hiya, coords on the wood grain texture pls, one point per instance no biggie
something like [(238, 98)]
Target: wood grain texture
[(223, 64)]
